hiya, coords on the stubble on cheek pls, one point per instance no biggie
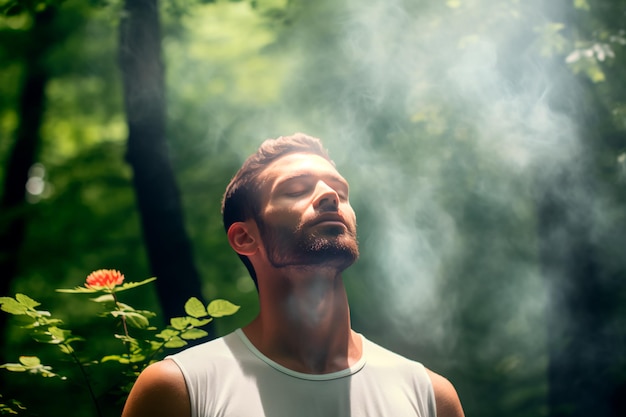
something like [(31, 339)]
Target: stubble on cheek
[(287, 246)]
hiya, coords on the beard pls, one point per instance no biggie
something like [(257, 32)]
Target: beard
[(334, 246)]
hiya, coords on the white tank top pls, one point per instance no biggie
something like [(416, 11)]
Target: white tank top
[(229, 377)]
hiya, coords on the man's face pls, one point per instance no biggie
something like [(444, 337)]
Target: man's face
[(306, 218)]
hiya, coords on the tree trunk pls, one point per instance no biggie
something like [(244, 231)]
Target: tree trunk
[(23, 154), (584, 335), (567, 265), (167, 243)]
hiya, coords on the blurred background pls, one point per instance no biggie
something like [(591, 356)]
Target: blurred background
[(484, 141)]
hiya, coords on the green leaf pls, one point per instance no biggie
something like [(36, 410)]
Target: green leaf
[(30, 361), (125, 307), (105, 298), (73, 339), (42, 321), (58, 335), (43, 313), (133, 318), (135, 358), (26, 300), (137, 320), (167, 334), (175, 342), (67, 349), (195, 308), (43, 337), (77, 290), (32, 364), (154, 346), (192, 334), (124, 359), (146, 313), (220, 308), (12, 306), (179, 323), (116, 358), (14, 367), (126, 339), (130, 285), (199, 323)]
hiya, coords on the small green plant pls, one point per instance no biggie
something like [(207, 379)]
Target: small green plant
[(136, 352)]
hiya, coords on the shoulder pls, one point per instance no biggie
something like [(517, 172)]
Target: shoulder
[(447, 403), (446, 399), (160, 390), (221, 348)]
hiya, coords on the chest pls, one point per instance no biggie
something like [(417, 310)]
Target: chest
[(268, 393)]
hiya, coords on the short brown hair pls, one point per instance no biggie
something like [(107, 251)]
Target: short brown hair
[(241, 199)]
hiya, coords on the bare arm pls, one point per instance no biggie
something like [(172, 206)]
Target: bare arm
[(446, 398), (160, 391)]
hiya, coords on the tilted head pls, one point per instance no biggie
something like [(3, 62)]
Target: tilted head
[(242, 199)]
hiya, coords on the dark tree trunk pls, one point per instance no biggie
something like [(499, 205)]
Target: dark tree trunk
[(584, 324), (568, 263), (167, 243), (585, 330), (23, 154)]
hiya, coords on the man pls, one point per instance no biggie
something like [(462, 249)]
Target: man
[(288, 217)]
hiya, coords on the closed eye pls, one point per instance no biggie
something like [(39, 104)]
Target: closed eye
[(297, 189), (296, 193)]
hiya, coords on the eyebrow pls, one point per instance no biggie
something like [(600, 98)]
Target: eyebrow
[(296, 176)]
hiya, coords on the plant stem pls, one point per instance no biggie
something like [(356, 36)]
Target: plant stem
[(123, 318), (86, 377)]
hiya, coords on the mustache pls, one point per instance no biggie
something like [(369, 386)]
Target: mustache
[(334, 216)]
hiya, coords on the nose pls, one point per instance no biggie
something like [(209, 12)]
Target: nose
[(326, 199)]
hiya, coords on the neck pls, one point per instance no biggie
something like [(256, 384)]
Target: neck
[(304, 322)]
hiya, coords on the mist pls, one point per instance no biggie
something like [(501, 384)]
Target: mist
[(468, 141), (390, 73), (484, 143)]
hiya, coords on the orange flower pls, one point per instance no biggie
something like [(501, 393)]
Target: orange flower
[(104, 279)]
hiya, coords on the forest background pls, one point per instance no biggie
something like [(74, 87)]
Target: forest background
[(484, 142)]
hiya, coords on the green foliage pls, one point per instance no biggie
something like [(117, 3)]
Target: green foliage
[(447, 118), (30, 364), (116, 289), (16, 7), (10, 407), (221, 308), (139, 350)]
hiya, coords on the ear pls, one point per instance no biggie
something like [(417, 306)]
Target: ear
[(242, 238)]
